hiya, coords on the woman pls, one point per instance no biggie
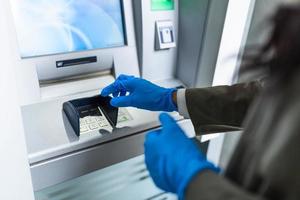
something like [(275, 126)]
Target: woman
[(266, 162)]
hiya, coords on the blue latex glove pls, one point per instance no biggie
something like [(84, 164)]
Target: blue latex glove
[(129, 91), (172, 158)]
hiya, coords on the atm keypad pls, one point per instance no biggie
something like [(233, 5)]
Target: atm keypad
[(91, 123), (92, 119)]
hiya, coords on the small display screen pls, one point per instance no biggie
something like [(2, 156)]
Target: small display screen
[(157, 5), (47, 27)]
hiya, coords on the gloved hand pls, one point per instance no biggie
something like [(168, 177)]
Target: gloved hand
[(142, 94), (172, 158)]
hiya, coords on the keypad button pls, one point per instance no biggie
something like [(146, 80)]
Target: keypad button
[(83, 128), (82, 122), (94, 126), (103, 124), (90, 120), (100, 119)]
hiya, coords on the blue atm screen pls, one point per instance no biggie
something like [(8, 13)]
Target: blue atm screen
[(58, 26)]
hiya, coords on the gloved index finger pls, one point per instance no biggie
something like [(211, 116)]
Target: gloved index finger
[(169, 125), (166, 119), (125, 77), (152, 136), (151, 140), (108, 90), (116, 87)]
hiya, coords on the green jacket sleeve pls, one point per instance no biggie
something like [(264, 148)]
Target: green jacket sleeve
[(208, 185), (222, 108)]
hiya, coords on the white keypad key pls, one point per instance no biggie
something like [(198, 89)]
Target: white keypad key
[(82, 122), (100, 119), (90, 120), (94, 126), (83, 128), (103, 124)]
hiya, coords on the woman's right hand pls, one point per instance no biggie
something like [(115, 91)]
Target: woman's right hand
[(129, 91)]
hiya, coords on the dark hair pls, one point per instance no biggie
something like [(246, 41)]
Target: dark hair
[(280, 56)]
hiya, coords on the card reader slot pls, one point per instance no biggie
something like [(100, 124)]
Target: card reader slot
[(77, 61)]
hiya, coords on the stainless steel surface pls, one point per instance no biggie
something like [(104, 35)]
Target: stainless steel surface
[(49, 134), (75, 78), (192, 26), (15, 179), (200, 31), (154, 65), (48, 71), (56, 154), (128, 180), (78, 163), (209, 55)]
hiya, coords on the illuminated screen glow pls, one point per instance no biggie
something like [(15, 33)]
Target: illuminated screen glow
[(162, 5), (47, 27)]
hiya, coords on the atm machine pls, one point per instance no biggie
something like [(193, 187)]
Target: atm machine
[(65, 50)]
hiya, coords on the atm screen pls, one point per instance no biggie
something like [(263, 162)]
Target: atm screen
[(47, 27)]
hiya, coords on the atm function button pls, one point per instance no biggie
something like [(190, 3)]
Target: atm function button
[(121, 112), (123, 118)]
